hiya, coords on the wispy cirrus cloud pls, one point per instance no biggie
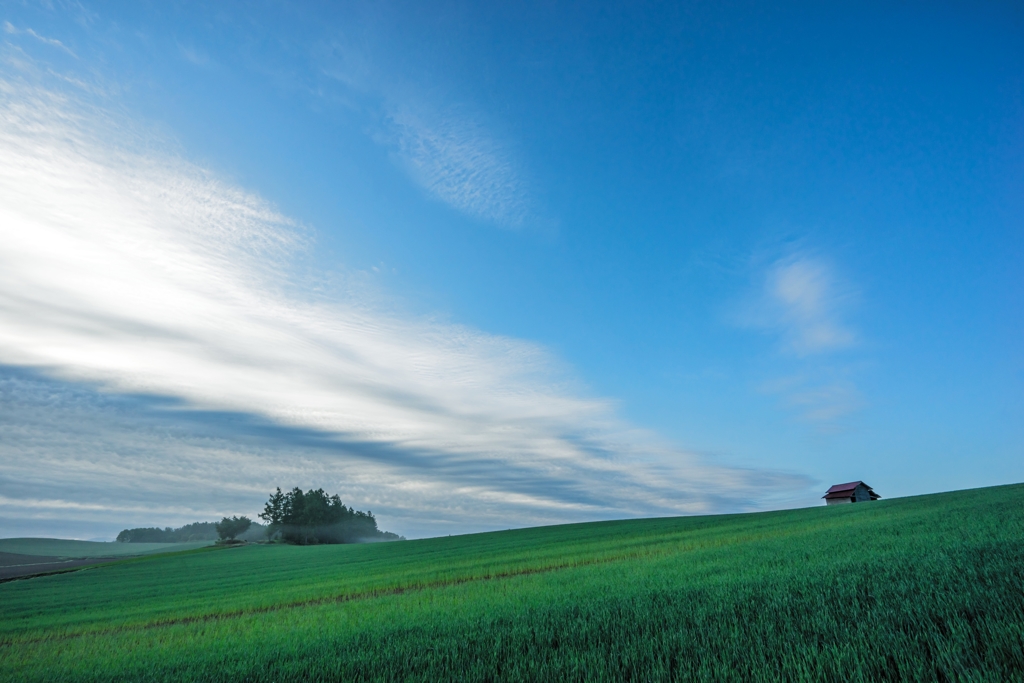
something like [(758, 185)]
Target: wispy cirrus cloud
[(129, 272), (449, 150), (454, 158), (193, 55), (11, 29), (819, 398), (802, 302)]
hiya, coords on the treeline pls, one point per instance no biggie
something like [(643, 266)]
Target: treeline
[(303, 518), (314, 517), (197, 531)]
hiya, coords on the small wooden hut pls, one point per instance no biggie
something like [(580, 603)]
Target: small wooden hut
[(851, 492)]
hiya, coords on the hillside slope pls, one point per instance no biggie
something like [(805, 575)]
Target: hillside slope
[(925, 588)]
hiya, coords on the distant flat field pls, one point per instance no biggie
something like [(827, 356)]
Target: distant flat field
[(58, 547), (30, 556), (929, 588)]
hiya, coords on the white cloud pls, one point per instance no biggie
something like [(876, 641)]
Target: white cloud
[(140, 274)]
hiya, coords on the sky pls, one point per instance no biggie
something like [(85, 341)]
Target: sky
[(478, 266)]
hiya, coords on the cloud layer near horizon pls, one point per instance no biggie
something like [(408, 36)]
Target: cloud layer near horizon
[(127, 271)]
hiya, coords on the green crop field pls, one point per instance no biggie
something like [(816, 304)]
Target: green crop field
[(926, 589)]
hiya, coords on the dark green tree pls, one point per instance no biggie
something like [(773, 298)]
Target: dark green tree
[(273, 513), (230, 527)]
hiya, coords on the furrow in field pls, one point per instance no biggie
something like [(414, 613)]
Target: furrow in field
[(299, 604)]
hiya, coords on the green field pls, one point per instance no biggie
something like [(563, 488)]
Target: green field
[(57, 547), (928, 588)]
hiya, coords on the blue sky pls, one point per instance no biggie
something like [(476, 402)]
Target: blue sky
[(477, 267)]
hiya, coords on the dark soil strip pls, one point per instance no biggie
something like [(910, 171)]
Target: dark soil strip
[(34, 565), (12, 559), (60, 565)]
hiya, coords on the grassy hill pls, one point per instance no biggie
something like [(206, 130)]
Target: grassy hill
[(927, 588)]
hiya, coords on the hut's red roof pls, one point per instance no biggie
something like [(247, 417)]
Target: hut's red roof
[(845, 487), (846, 490)]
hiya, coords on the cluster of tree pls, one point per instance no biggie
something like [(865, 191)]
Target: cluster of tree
[(230, 528), (296, 517), (314, 517), (197, 531)]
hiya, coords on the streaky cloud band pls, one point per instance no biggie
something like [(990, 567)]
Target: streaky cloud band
[(128, 271)]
